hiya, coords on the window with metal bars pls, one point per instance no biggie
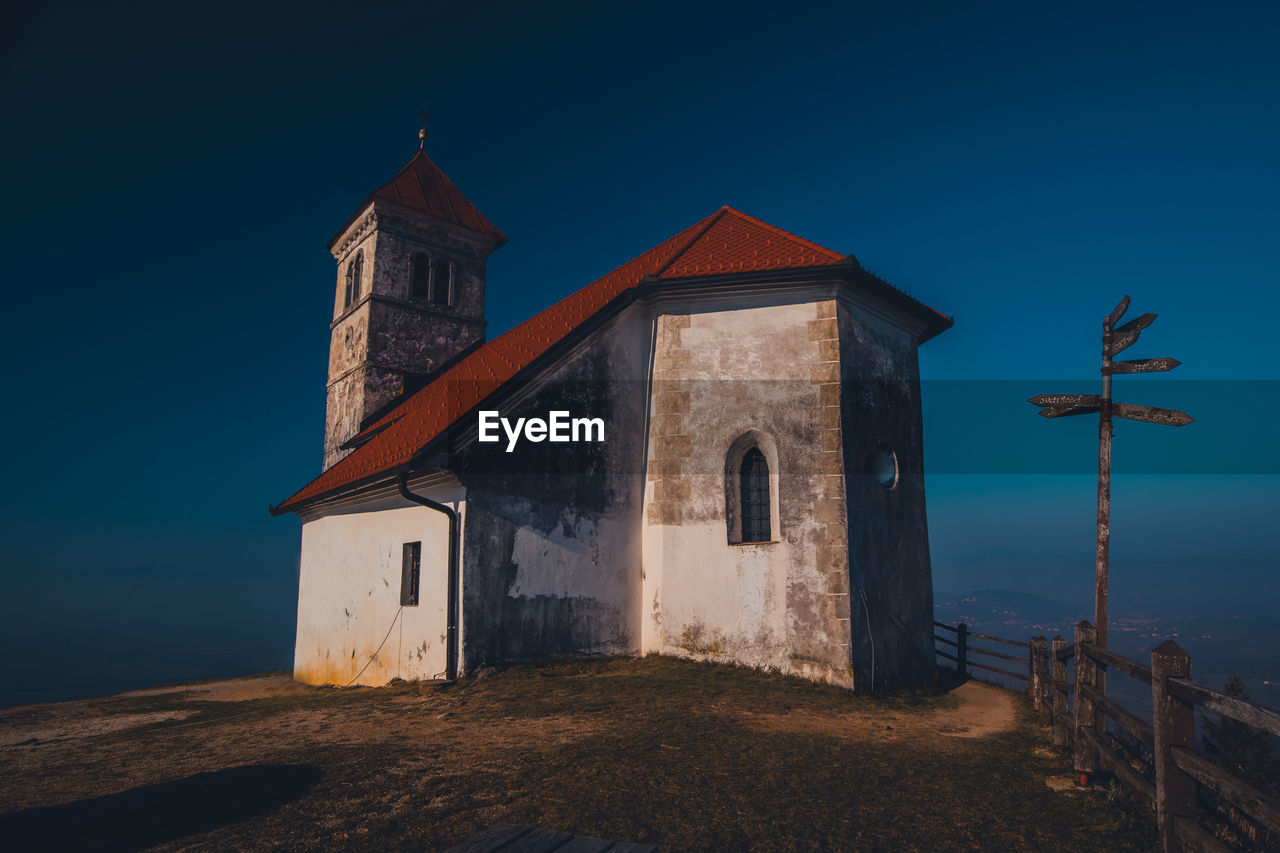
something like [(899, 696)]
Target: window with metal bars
[(754, 481), (410, 571)]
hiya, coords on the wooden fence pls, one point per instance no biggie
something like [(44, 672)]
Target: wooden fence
[(1076, 711), (963, 649), (1178, 775)]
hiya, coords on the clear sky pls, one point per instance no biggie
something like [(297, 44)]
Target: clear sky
[(172, 174)]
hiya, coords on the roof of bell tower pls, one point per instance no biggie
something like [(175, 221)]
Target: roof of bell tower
[(423, 187)]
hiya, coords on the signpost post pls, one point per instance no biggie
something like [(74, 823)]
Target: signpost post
[(1061, 405)]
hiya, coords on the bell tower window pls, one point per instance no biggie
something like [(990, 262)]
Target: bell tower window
[(419, 275), (354, 270), (441, 282)]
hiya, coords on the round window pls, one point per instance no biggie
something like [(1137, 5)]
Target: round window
[(886, 467)]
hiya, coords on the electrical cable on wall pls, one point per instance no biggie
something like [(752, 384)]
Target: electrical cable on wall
[(872, 639), (395, 619)]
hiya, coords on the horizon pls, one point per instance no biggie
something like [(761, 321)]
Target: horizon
[(169, 202)]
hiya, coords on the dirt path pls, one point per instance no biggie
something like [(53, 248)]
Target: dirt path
[(983, 710), (980, 710)]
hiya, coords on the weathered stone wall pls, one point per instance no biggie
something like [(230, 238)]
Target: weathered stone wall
[(889, 541), (349, 595), (552, 542), (386, 334), (719, 375)]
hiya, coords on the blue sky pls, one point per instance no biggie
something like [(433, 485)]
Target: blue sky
[(172, 176)]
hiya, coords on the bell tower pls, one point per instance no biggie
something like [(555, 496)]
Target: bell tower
[(410, 295)]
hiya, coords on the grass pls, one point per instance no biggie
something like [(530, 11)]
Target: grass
[(684, 755)]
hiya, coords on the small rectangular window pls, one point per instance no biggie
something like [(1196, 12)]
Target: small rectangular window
[(410, 571)]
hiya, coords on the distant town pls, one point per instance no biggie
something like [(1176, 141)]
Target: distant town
[(1219, 644)]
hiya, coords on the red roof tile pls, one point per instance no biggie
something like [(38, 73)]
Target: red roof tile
[(727, 241), (423, 187)]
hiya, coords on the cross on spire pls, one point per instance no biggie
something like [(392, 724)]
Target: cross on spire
[(422, 131)]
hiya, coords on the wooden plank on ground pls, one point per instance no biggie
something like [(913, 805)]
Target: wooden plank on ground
[(508, 838), (540, 840), (492, 838), (586, 844)]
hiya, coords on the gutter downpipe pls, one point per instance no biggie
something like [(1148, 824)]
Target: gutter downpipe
[(451, 609)]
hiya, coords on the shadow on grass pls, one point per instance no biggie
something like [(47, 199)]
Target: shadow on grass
[(154, 814), (949, 679)]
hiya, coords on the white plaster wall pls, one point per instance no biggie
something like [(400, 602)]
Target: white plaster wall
[(349, 596), (749, 368)]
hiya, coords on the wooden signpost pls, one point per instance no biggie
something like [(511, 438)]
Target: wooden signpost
[(1114, 340)]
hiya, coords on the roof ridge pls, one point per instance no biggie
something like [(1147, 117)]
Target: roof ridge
[(445, 185), (782, 232), (706, 226)]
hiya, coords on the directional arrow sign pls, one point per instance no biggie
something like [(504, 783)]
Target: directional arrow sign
[(1125, 336), (1066, 400), (1137, 324), (1150, 414), (1143, 365), (1118, 313), (1064, 411)]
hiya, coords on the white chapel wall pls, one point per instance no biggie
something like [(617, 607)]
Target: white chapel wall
[(349, 595)]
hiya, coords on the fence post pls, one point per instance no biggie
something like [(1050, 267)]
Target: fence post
[(962, 649), (1033, 673), (1058, 675), (1085, 760), (1046, 682), (1175, 725)]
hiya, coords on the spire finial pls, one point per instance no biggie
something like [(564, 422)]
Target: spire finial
[(422, 131)]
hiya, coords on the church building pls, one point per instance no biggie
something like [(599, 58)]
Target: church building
[(713, 451)]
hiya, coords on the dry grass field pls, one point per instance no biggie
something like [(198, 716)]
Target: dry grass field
[(684, 755)]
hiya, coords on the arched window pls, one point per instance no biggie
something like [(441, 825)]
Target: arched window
[(441, 282), (354, 270), (419, 275), (751, 511), (753, 480)]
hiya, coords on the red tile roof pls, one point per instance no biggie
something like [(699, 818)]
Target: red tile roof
[(727, 241), (421, 186)]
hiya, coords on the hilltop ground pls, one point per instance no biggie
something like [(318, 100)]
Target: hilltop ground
[(684, 755)]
